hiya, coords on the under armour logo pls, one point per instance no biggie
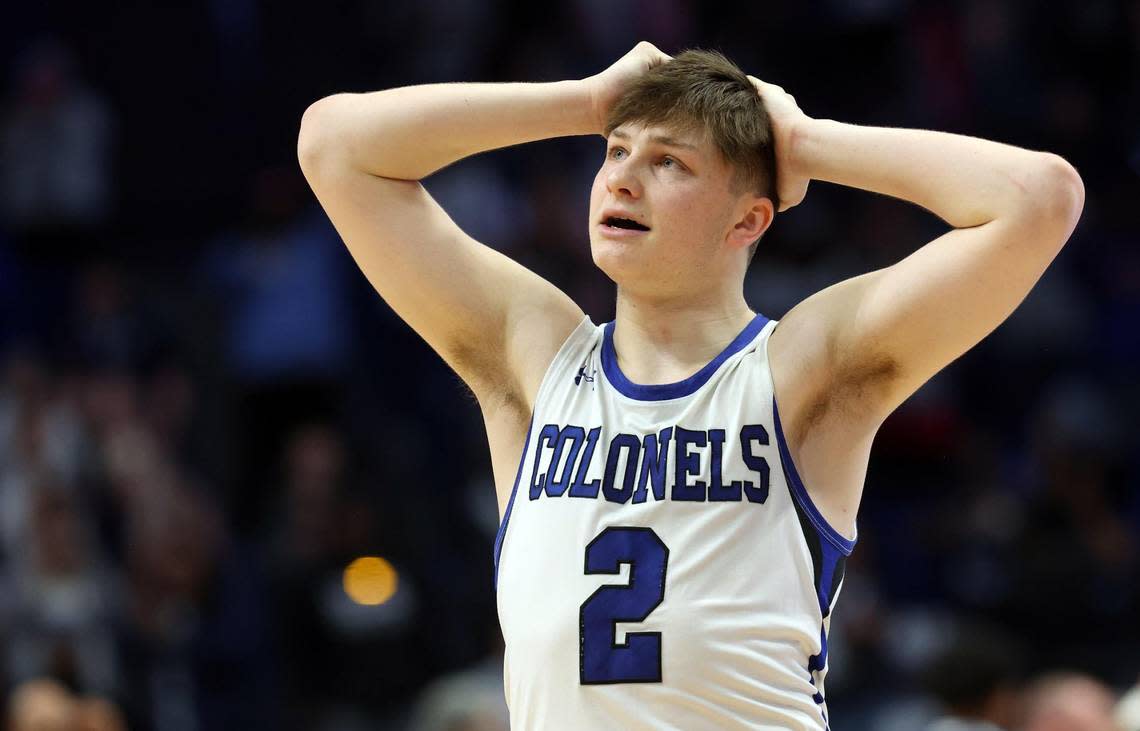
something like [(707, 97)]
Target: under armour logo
[(582, 374), (582, 370)]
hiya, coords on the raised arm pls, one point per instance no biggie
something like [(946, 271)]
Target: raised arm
[(364, 154), (409, 132), (492, 320), (1012, 209), (865, 344)]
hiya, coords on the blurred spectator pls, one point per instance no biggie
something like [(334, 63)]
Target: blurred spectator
[(470, 700), (1128, 710), (63, 600), (288, 342), (342, 656), (98, 714), (108, 328), (40, 705), (1076, 556), (1068, 702), (977, 680), (171, 401), (40, 432), (55, 140), (194, 640), (309, 527), (282, 281), (127, 460), (44, 705)]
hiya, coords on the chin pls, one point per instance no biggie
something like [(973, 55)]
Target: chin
[(608, 256), (620, 264)]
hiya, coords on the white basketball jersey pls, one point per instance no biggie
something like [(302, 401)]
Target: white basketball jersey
[(660, 565)]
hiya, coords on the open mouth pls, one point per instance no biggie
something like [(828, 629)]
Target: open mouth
[(626, 223)]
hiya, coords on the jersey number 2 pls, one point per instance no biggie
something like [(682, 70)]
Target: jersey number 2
[(638, 660)]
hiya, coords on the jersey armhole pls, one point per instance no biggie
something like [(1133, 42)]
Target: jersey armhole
[(795, 483), (585, 325), (801, 496)]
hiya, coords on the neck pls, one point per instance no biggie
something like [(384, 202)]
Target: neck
[(663, 341)]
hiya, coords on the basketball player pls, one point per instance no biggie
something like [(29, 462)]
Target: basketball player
[(678, 487)]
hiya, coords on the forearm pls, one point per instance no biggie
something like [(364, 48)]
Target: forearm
[(410, 132), (965, 180)]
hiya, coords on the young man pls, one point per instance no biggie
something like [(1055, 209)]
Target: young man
[(672, 542)]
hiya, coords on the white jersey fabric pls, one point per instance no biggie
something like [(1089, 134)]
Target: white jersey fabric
[(660, 564)]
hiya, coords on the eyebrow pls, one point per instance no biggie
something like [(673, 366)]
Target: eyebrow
[(656, 138)]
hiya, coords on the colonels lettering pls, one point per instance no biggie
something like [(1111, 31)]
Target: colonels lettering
[(563, 456)]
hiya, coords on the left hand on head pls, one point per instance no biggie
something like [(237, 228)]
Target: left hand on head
[(787, 119)]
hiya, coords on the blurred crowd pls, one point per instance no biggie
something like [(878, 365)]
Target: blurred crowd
[(206, 415)]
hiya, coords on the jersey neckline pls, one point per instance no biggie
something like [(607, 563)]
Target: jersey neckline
[(677, 389)]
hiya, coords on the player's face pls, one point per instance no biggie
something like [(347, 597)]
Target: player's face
[(679, 187)]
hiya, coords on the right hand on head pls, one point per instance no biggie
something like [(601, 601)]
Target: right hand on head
[(608, 86)]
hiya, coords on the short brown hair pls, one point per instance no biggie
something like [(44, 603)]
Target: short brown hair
[(703, 92)]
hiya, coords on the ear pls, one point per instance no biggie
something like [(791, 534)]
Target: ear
[(754, 215)]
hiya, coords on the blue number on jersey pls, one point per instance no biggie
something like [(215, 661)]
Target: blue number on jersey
[(638, 660)]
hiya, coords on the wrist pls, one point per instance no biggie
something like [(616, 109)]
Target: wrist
[(808, 146), (591, 105), (803, 141)]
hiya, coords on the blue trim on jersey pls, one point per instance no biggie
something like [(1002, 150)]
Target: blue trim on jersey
[(664, 391), (800, 494), (511, 502), (818, 663)]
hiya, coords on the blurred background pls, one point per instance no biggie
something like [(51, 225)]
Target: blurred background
[(221, 496)]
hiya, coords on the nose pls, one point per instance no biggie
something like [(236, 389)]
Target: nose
[(621, 179)]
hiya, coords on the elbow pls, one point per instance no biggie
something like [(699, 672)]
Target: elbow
[(314, 135), (1049, 198), (1062, 194)]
